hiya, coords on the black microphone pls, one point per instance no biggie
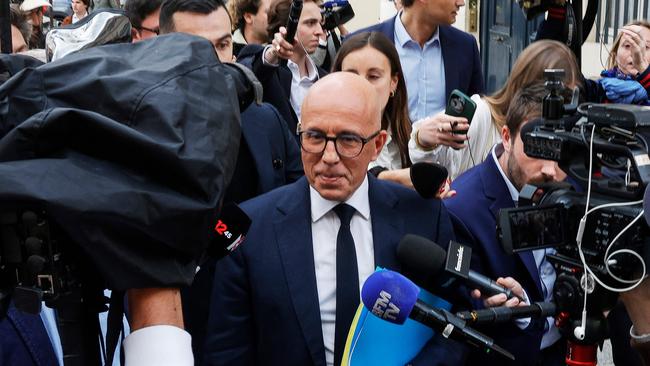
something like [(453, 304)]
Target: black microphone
[(503, 314), (425, 259), (427, 178), (292, 22), (229, 231), (393, 297)]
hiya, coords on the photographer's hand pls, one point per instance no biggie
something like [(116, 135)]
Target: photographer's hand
[(437, 130), (637, 303), (501, 299), (280, 48)]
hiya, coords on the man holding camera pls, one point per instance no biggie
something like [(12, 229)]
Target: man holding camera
[(482, 192), (286, 70)]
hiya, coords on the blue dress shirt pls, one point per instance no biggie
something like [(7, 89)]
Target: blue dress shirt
[(424, 72)]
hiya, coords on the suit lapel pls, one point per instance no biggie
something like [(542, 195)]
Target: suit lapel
[(387, 227), (496, 189), (450, 59), (293, 236)]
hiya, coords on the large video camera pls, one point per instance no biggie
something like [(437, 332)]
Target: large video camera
[(335, 13), (600, 250)]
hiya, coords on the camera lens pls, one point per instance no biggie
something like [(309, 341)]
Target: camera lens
[(457, 105)]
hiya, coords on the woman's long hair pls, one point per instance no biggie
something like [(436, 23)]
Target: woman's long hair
[(395, 116), (529, 68)]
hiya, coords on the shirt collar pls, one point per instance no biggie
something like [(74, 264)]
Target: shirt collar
[(497, 150), (359, 200), (312, 73), (403, 37)]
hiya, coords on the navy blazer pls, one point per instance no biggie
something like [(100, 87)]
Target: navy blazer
[(265, 308), (24, 340), (482, 192), (460, 54), (275, 152), (276, 81)]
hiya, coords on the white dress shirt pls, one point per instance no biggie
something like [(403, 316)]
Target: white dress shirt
[(300, 84), (324, 228), (161, 345), (545, 269)]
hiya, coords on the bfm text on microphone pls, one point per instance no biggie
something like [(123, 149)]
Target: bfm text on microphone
[(394, 298), (425, 260)]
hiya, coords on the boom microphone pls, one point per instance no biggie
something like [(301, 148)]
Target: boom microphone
[(229, 231), (426, 260), (292, 22), (503, 314), (393, 297), (427, 178)]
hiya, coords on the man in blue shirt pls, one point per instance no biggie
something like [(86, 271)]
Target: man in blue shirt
[(436, 57)]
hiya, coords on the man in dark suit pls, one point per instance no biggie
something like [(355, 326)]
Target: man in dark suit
[(285, 70), (268, 156), (436, 57), (287, 296), (481, 192)]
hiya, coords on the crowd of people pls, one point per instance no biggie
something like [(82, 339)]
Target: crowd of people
[(325, 216)]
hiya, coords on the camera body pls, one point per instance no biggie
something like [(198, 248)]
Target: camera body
[(549, 216), (335, 13)]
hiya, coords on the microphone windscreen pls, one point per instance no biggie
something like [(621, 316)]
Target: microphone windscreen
[(422, 260), (646, 205), (427, 178), (229, 231), (389, 296)]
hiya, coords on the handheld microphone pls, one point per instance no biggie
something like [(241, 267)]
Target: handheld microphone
[(229, 231), (393, 297), (427, 178), (503, 314), (292, 22), (425, 258)]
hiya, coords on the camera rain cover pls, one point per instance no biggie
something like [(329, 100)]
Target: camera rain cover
[(128, 148)]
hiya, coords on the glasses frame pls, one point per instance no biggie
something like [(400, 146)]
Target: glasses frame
[(364, 141), (154, 31)]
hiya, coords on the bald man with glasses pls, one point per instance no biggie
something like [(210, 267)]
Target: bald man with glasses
[(288, 295)]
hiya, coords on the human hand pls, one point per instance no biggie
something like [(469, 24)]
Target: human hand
[(437, 130), (445, 190), (280, 48), (632, 37), (501, 299)]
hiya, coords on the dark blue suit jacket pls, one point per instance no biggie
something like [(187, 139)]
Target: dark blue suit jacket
[(276, 82), (265, 308), (275, 152), (24, 341), (474, 210), (459, 53)]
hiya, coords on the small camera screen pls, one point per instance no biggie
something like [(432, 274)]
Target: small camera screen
[(538, 227)]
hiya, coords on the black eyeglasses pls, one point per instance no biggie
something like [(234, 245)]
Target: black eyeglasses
[(347, 145), (156, 31)]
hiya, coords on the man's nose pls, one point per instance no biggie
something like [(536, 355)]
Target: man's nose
[(329, 154)]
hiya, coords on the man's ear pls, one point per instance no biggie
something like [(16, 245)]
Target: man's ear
[(248, 18), (380, 140), (506, 138), (135, 35)]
